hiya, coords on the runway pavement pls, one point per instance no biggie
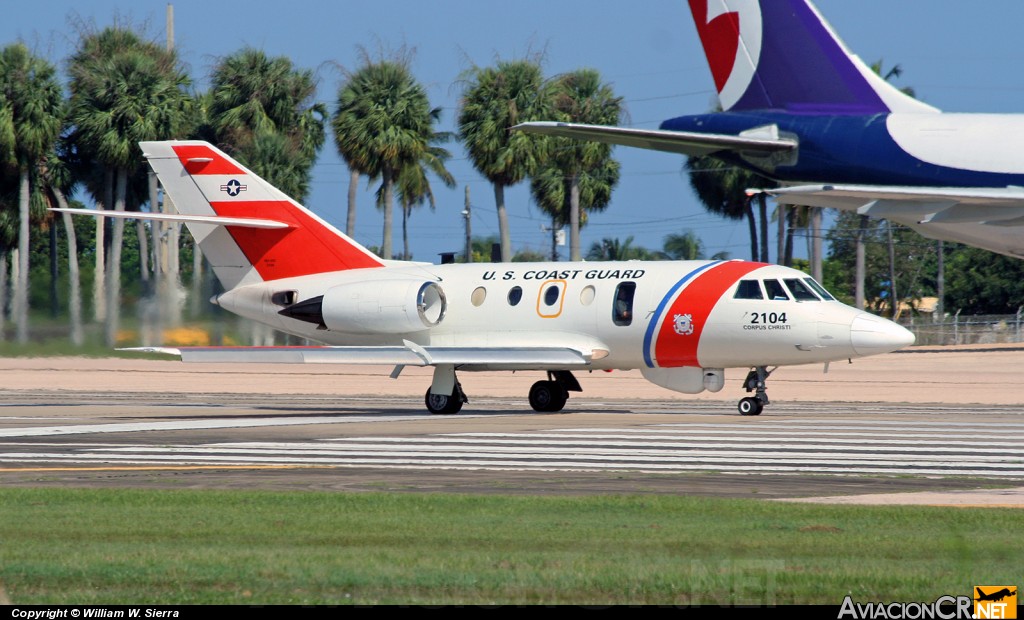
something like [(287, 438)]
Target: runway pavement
[(121, 423)]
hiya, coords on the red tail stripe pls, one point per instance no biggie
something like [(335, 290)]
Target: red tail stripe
[(308, 247), (192, 154)]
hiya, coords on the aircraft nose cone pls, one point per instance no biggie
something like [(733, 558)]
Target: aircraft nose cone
[(871, 335)]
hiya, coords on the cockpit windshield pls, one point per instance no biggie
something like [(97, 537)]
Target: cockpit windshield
[(800, 290), (819, 289)]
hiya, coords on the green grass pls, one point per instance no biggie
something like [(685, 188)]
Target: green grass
[(178, 547)]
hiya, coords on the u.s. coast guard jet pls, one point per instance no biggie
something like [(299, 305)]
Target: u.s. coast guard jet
[(682, 323), (801, 108)]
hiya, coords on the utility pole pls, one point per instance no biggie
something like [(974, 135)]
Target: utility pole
[(557, 239), (170, 27), (466, 213)]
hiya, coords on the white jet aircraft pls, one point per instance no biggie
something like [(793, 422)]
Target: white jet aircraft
[(682, 323)]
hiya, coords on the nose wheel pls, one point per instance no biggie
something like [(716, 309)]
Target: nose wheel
[(755, 382), (750, 406)]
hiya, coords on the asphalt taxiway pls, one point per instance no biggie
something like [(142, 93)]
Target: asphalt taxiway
[(143, 423)]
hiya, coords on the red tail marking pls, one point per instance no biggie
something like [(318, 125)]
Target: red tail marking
[(721, 40), (306, 248), (698, 299), (218, 165)]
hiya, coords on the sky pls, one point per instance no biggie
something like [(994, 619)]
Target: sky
[(958, 56)]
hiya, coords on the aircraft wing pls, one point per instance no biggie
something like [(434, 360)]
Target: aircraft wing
[(685, 143), (409, 355), (987, 217)]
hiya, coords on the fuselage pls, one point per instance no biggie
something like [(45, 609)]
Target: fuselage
[(928, 149), (697, 314)]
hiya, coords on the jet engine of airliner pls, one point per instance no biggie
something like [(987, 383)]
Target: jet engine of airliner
[(381, 307)]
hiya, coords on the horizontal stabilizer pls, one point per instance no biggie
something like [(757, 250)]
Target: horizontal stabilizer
[(682, 142), (411, 355), (215, 220)]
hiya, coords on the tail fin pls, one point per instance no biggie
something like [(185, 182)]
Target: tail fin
[(783, 55), (203, 181)]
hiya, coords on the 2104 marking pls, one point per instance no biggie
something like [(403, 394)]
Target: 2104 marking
[(767, 318)]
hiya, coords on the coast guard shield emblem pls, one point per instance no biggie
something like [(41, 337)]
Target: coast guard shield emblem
[(683, 324)]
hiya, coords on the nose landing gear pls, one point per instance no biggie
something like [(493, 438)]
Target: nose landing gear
[(755, 382)]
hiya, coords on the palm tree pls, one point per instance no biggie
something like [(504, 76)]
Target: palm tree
[(383, 109), (494, 99), (358, 159), (58, 179), (414, 187), (253, 96), (684, 246), (612, 249), (586, 168), (33, 96), (552, 189), (124, 90), (722, 189)]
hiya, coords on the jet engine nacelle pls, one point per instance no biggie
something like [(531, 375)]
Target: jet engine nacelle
[(381, 307)]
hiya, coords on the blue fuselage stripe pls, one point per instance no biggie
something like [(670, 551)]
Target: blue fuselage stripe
[(653, 325)]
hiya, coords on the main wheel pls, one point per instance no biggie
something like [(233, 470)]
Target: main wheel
[(548, 396), (440, 404), (750, 406)]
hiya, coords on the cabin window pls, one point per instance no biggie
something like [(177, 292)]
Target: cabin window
[(479, 295), (515, 295), (622, 310), (775, 290), (551, 295), (819, 289), (587, 295), (800, 291), (749, 289)]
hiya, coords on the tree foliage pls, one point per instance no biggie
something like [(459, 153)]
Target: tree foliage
[(495, 99), (264, 112), (384, 112), (578, 176), (915, 262)]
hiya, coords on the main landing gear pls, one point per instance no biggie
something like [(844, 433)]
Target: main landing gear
[(446, 404), (550, 396), (755, 382), (545, 396)]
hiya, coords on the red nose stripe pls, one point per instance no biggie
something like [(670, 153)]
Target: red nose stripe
[(698, 300)]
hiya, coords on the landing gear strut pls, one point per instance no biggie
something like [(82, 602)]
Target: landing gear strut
[(550, 396), (755, 382)]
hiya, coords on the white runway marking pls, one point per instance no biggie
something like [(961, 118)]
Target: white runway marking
[(184, 425), (810, 446)]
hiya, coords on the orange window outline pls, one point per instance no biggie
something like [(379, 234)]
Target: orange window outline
[(562, 286)]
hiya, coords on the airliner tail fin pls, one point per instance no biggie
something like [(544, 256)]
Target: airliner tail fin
[(783, 55)]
